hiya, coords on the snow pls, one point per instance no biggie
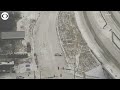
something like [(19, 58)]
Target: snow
[(96, 72)]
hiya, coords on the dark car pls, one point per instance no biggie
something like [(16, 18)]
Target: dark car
[(58, 54), (19, 77)]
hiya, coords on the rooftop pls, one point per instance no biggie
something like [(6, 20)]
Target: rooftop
[(12, 35)]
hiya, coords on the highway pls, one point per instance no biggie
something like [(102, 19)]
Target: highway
[(107, 48), (105, 44)]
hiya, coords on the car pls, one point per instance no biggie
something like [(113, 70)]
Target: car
[(58, 54), (27, 65), (19, 77)]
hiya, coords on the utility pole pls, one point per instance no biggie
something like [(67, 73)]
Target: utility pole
[(40, 71)]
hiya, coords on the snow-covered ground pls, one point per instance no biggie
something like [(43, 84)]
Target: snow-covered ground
[(46, 44), (40, 31)]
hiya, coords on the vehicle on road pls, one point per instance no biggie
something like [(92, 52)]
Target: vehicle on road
[(19, 77), (58, 54)]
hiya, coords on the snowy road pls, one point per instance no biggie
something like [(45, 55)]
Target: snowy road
[(47, 44)]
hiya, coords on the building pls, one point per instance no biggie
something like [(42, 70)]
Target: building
[(16, 35), (9, 49), (6, 66)]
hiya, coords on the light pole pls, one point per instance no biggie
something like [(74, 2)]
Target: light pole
[(74, 69), (40, 71)]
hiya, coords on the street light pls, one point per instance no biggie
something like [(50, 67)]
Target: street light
[(40, 70)]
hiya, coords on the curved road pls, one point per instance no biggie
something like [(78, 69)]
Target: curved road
[(107, 49), (105, 45)]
